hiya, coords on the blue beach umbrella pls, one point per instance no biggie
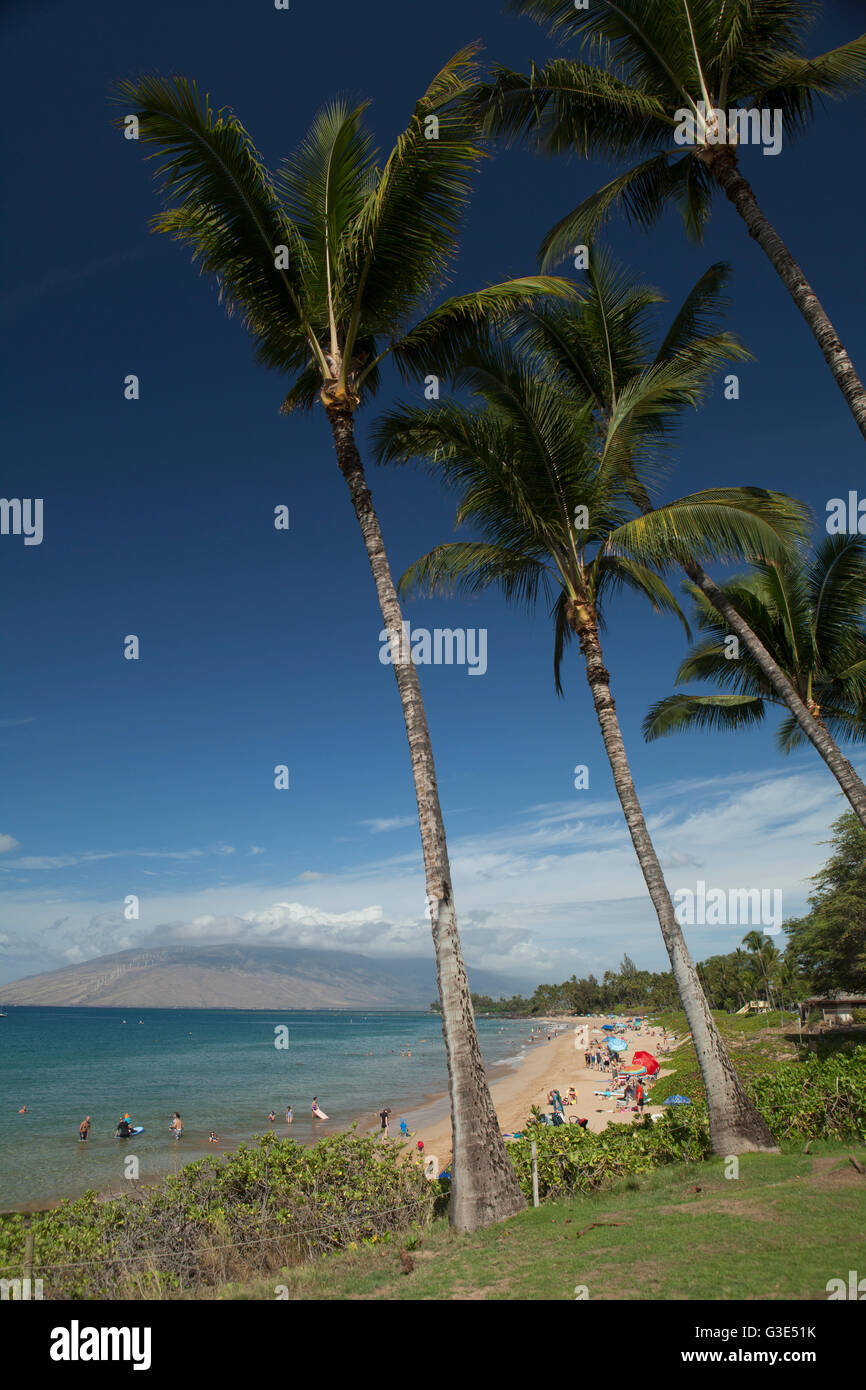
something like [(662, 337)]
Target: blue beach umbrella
[(677, 1100), (608, 1027), (617, 1044)]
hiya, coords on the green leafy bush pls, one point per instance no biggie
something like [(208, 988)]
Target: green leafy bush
[(225, 1217), (572, 1160)]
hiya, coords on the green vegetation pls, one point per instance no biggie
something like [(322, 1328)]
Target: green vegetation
[(232, 1216), (266, 1211), (802, 1094), (784, 1227), (828, 945)]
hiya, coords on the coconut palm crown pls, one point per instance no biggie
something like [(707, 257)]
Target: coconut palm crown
[(673, 89), (810, 615)]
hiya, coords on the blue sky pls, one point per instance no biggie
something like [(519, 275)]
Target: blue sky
[(260, 647)]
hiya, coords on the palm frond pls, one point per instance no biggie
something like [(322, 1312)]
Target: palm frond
[(717, 523), (438, 343), (678, 713), (226, 209)]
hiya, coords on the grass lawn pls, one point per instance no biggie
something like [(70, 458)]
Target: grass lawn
[(780, 1230)]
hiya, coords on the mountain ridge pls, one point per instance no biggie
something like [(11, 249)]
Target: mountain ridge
[(238, 976)]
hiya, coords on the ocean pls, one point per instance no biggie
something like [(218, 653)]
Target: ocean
[(220, 1068)]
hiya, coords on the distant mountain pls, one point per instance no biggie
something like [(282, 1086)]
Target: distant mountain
[(240, 977)]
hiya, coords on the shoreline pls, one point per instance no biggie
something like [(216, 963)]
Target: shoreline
[(516, 1085), (550, 1065)]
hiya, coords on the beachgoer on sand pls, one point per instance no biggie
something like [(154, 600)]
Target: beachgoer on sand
[(384, 1115)]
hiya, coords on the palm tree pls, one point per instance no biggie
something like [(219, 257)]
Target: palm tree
[(768, 959), (667, 70), (330, 263), (810, 616), (605, 352), (554, 505)]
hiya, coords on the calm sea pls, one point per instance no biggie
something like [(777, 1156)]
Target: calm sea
[(219, 1068)]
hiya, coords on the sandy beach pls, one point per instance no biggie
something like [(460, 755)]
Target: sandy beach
[(553, 1065)]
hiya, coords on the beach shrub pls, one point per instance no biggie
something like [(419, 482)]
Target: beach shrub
[(573, 1160), (226, 1217), (805, 1097)]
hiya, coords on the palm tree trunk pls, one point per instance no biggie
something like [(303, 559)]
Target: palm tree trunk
[(723, 163), (484, 1184), (735, 1125), (813, 728)]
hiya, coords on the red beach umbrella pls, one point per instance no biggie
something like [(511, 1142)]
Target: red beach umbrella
[(647, 1060)]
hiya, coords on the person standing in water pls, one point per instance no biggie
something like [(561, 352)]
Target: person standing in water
[(84, 1130), (289, 1116), (176, 1125)]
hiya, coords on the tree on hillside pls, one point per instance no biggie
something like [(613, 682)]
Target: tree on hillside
[(828, 944)]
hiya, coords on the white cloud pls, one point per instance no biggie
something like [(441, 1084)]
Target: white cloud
[(551, 891), (378, 827), (8, 842)]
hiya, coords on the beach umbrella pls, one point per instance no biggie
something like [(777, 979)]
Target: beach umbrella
[(632, 1071), (609, 1027), (677, 1100), (648, 1060), (617, 1044)]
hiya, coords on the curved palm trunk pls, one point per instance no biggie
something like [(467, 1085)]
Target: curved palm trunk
[(484, 1184), (813, 728), (723, 163), (735, 1125)]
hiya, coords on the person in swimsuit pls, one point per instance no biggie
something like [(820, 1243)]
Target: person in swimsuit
[(384, 1116), (289, 1116), (176, 1125), (84, 1130), (272, 1116)]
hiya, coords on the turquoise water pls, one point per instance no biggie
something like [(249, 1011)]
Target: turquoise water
[(219, 1068)]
